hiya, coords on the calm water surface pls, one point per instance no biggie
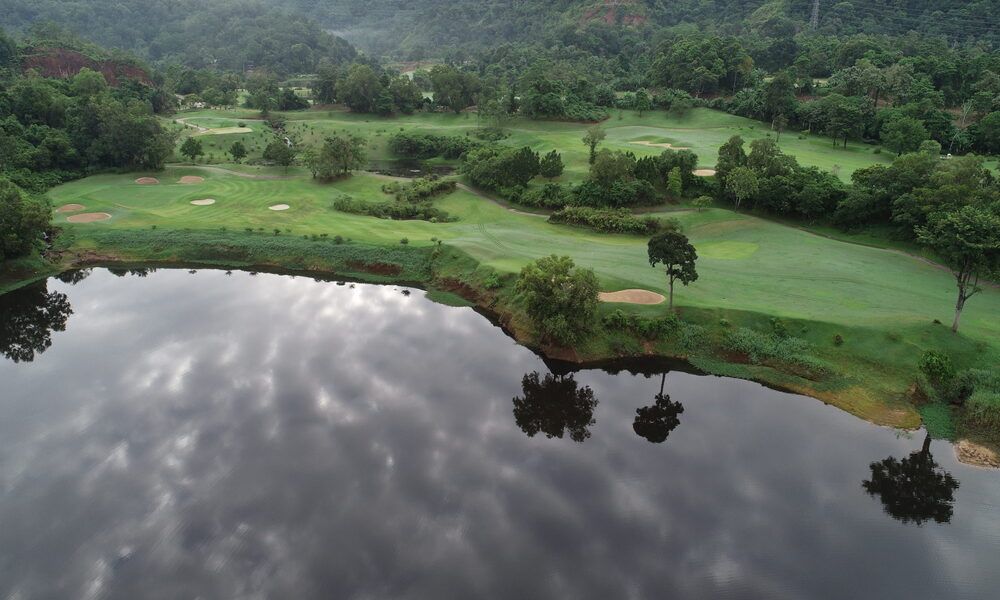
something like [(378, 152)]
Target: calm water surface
[(204, 435)]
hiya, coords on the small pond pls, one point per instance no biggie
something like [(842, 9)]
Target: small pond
[(173, 434)]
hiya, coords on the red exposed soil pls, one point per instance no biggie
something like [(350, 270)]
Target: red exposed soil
[(376, 268), (58, 62), (608, 11)]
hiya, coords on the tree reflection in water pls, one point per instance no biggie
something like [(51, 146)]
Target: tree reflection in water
[(657, 421), (555, 405), (913, 489), (27, 319)]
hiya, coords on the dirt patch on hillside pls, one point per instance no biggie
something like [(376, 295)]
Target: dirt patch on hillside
[(63, 63), (88, 217), (147, 181), (704, 172), (375, 268), (666, 145), (645, 297), (65, 208), (192, 179), (972, 453), (205, 202)]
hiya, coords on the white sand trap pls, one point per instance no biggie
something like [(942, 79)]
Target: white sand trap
[(632, 297), (225, 131), (704, 172), (279, 207), (70, 208), (205, 202), (147, 181), (192, 179), (666, 145), (88, 217)]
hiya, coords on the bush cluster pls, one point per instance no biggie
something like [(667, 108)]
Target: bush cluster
[(398, 211), (413, 144), (419, 189), (644, 327), (760, 347), (607, 220)]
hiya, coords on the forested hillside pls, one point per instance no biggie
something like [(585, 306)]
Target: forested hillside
[(229, 35), (289, 35)]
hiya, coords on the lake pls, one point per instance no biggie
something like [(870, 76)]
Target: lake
[(176, 434)]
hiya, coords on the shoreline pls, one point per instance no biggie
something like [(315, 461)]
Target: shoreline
[(452, 277)]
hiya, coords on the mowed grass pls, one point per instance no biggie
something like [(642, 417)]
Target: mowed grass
[(745, 263), (700, 130)]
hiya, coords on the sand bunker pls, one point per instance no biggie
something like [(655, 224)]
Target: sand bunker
[(192, 179), (225, 131), (88, 217), (70, 208), (666, 145), (632, 297), (205, 202), (147, 181), (279, 207), (704, 172)]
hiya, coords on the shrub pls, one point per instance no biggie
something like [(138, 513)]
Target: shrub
[(606, 220), (404, 241), (760, 347), (936, 367), (644, 327), (398, 211)]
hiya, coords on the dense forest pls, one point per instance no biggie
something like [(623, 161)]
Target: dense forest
[(226, 35)]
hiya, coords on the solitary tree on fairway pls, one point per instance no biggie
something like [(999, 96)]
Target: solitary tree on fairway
[(192, 148), (675, 252), (968, 239), (238, 151), (594, 136)]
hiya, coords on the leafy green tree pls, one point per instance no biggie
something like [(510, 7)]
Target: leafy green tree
[(360, 89), (594, 136), (24, 220), (903, 134), (673, 250), (263, 92), (913, 489), (550, 165), (675, 185), (731, 156), (554, 405), (453, 88), (406, 96), (281, 152), (701, 203), (88, 83), (968, 239), (742, 184), (192, 149), (560, 299), (339, 155), (643, 103), (238, 151), (987, 133), (611, 167)]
